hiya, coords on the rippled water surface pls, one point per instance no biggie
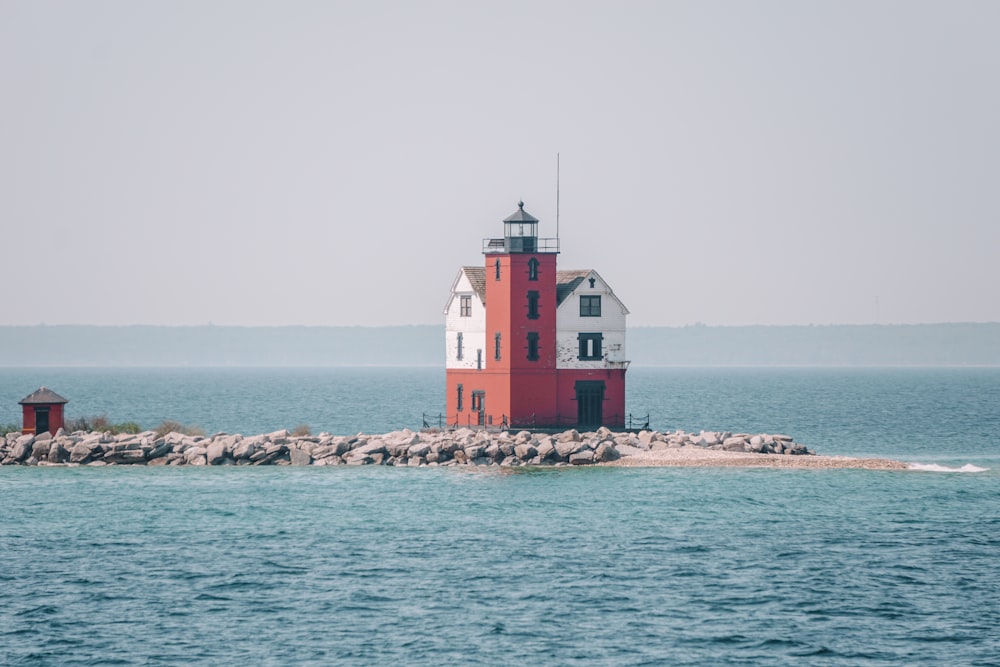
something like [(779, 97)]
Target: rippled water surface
[(278, 566), (361, 566)]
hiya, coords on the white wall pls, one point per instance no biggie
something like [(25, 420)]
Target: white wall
[(473, 328), (611, 324)]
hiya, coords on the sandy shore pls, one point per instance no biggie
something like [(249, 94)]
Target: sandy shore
[(700, 457)]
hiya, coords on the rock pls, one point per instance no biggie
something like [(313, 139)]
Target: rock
[(571, 435), (299, 457), (606, 452), (278, 437), (565, 448), (525, 451), (420, 449), (583, 457), (40, 448), (195, 456), (22, 447), (85, 451), (125, 456), (545, 448), (216, 452)]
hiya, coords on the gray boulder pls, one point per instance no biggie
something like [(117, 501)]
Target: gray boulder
[(22, 447), (583, 457), (216, 452), (299, 457)]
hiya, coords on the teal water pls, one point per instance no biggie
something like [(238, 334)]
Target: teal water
[(281, 566), (360, 566)]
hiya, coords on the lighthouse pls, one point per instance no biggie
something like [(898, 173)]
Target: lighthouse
[(530, 346)]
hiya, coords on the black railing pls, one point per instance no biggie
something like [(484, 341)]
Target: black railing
[(517, 244), (502, 422)]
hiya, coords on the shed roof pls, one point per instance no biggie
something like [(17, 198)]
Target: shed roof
[(42, 395)]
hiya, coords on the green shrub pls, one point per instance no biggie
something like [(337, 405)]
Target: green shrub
[(100, 424), (170, 426), (9, 428)]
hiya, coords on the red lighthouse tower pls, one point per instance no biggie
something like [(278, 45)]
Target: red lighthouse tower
[(516, 353)]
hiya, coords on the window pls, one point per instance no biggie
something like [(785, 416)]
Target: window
[(465, 305), (477, 400), (459, 398), (592, 281), (479, 360), (460, 349), (533, 346), (532, 269), (532, 305), (590, 305), (498, 269), (496, 346), (590, 346)]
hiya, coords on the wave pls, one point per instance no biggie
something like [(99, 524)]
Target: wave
[(934, 467)]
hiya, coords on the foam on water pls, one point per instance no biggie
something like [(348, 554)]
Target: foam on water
[(934, 467)]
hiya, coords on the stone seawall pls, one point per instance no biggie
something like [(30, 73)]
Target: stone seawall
[(399, 448)]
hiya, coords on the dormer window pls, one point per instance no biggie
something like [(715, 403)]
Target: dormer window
[(533, 269)]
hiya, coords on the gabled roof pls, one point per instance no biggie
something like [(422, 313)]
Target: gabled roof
[(477, 278), (42, 395), (566, 282)]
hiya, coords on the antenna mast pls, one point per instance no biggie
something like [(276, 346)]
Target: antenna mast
[(557, 199)]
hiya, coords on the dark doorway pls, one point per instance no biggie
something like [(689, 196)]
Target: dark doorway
[(589, 402), (41, 420), (479, 406)]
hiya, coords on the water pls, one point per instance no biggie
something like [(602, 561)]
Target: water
[(360, 566)]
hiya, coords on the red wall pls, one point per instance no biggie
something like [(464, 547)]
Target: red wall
[(56, 420), (613, 409), (518, 389)]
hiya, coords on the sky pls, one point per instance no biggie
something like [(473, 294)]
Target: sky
[(335, 163)]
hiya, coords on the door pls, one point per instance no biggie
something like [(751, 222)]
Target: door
[(479, 407), (589, 402), (41, 420)]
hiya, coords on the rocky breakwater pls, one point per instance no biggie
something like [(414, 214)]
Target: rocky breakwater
[(399, 448)]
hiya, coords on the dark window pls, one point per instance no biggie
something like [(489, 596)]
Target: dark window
[(498, 269), (460, 398), (460, 347), (465, 306), (532, 305), (532, 346), (590, 346), (532, 269), (590, 305), (479, 360), (496, 346), (477, 400)]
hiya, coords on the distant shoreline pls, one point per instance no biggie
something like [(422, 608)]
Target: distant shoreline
[(834, 346)]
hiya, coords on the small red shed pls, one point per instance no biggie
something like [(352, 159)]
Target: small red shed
[(43, 411)]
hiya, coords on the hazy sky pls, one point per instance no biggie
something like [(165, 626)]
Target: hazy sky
[(334, 163)]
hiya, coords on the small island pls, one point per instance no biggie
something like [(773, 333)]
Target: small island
[(428, 448)]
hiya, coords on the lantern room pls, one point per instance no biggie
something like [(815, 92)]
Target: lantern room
[(43, 411), (520, 231)]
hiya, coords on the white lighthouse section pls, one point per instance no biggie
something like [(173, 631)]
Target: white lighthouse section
[(465, 319), (590, 322)]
